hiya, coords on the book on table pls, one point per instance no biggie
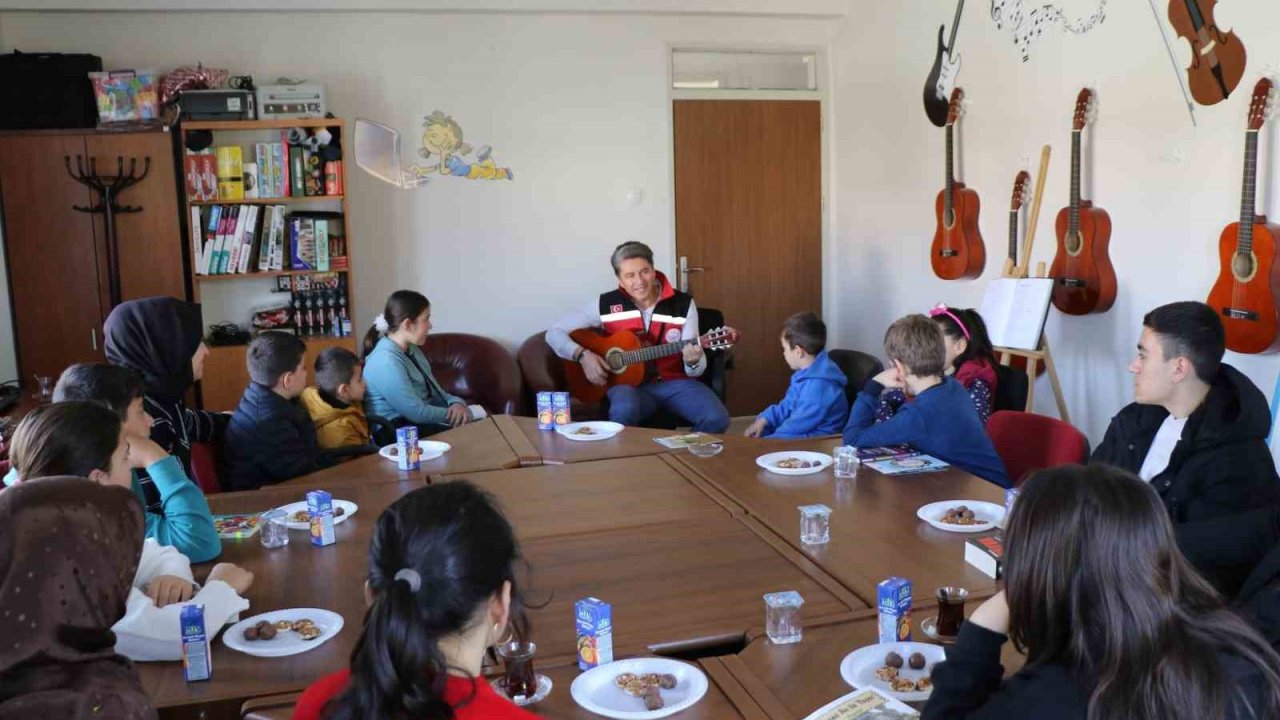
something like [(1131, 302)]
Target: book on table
[(868, 703), (986, 552), (910, 465)]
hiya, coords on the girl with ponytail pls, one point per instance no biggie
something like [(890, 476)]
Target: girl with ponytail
[(441, 590)]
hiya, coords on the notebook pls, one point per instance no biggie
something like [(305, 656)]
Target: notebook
[(1015, 310)]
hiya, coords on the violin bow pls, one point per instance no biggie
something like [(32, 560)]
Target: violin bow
[(1177, 71)]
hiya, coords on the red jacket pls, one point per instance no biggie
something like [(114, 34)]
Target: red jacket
[(618, 312), (486, 704)]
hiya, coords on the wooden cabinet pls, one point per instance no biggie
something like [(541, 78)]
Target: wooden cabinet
[(57, 256)]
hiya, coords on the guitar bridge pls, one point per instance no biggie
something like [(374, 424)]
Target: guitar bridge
[(1239, 314), (1072, 282), (949, 253)]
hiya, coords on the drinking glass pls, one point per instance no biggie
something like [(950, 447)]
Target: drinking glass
[(815, 524), (951, 610), (45, 385), (782, 617), (275, 528), (846, 462), (520, 681)]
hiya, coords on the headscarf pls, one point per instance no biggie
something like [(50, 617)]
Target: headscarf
[(156, 338), (69, 549)]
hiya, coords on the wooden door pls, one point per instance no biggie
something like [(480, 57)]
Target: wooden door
[(749, 213), (149, 242), (50, 251)]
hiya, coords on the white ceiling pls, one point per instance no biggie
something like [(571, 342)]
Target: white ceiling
[(803, 8)]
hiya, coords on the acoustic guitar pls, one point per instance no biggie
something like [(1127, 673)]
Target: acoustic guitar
[(630, 358), (1084, 281), (942, 76), (1020, 185), (1249, 279), (957, 251)]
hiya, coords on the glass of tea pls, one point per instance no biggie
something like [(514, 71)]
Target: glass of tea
[(520, 681), (951, 602)]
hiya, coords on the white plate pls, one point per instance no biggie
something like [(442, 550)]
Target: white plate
[(987, 514), (596, 691), (431, 449), (348, 509), (601, 430), (770, 462), (859, 667), (286, 642)]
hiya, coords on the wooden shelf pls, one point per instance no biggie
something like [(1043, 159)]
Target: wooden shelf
[(261, 124), (265, 201), (270, 273)]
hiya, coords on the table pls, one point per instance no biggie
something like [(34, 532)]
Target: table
[(554, 449), (725, 699), (875, 533), (791, 681), (476, 447)]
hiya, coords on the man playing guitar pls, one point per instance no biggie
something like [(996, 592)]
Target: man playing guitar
[(646, 303)]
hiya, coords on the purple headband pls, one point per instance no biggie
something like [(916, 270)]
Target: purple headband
[(942, 309)]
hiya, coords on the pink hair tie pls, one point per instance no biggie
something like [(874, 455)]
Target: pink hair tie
[(942, 309)]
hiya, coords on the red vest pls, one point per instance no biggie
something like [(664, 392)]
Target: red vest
[(618, 312)]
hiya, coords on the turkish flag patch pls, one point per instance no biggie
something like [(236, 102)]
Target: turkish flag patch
[(615, 308)]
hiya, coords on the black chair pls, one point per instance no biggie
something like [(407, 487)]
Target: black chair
[(1011, 389), (858, 367), (382, 432)]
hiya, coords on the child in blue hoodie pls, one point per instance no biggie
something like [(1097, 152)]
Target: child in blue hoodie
[(815, 403)]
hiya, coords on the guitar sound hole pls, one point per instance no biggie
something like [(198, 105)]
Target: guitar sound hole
[(1074, 243), (949, 218), (1242, 266)]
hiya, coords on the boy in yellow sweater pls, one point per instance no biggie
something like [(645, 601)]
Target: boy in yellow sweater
[(336, 402)]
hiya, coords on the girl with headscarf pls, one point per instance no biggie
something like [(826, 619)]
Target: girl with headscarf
[(160, 338), (68, 551)]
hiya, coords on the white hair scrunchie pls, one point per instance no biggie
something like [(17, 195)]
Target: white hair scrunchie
[(380, 324)]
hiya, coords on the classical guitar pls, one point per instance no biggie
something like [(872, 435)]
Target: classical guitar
[(942, 76), (1217, 57), (630, 357), (957, 250), (1020, 184), (1083, 280), (1249, 279)]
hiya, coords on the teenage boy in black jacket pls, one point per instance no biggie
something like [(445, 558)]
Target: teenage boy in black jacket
[(1197, 427), (271, 438)]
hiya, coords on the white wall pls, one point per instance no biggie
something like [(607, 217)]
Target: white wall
[(1169, 187), (577, 105)]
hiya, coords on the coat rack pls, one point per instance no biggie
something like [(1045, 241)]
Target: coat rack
[(108, 189)]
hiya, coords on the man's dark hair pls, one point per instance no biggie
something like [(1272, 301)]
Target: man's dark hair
[(805, 330), (111, 386), (629, 251), (335, 366), (272, 354), (1192, 330)]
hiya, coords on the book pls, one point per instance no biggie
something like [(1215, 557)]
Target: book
[(230, 173), (262, 156), (234, 240), (297, 180), (866, 704), (1015, 310), (907, 465), (986, 552), (208, 176), (302, 243), (191, 176), (210, 237), (322, 244), (677, 442), (886, 452), (278, 241), (249, 240), (224, 254), (220, 239), (279, 170), (196, 231), (237, 526), (264, 247)]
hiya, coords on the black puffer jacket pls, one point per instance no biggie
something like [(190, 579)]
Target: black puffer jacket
[(1221, 466), (269, 440)]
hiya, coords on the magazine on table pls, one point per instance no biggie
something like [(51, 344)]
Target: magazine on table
[(919, 463), (866, 704), (240, 525), (886, 452), (677, 442)]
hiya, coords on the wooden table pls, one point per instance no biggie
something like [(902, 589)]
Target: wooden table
[(476, 447), (875, 533), (725, 699), (556, 450), (791, 681)]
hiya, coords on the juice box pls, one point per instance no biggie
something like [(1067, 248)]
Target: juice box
[(196, 662), (595, 632), (560, 404), (893, 599), (320, 505), (408, 454), (546, 416)]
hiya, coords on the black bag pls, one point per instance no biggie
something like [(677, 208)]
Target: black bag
[(47, 90)]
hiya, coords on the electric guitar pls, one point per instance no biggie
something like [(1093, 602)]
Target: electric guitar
[(942, 77), (630, 357), (1084, 281), (957, 250), (1249, 279)]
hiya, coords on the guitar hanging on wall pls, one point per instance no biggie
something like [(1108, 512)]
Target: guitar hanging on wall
[(957, 251), (1020, 185), (1249, 278), (942, 77), (1084, 281)]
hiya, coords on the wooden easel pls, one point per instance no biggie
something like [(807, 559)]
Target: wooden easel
[(1018, 272)]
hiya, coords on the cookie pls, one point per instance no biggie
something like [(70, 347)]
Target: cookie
[(623, 679), (924, 684), (902, 685), (283, 624), (310, 632), (886, 673)]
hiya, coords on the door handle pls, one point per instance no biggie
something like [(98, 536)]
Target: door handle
[(684, 273), (93, 338)]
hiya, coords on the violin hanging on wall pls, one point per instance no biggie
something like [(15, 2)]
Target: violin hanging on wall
[(1083, 280), (1249, 278), (1217, 57), (957, 251)]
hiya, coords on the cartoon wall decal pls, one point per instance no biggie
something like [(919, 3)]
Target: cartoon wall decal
[(1028, 24), (443, 146)]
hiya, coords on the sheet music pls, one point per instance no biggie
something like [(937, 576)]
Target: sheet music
[(1015, 311)]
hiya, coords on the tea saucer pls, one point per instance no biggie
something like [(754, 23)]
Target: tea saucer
[(929, 626), (544, 689)]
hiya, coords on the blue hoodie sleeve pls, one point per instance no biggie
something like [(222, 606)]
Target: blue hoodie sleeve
[(185, 521), (864, 431), (819, 409), (775, 415)]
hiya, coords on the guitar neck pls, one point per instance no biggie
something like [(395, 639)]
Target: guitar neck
[(950, 174), (955, 25), (1013, 236), (1073, 222), (653, 352), (1244, 236)]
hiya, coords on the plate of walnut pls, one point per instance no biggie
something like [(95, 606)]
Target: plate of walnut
[(903, 670), (639, 688), (794, 462), (962, 516)]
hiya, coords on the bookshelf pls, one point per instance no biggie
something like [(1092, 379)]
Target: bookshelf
[(235, 296)]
